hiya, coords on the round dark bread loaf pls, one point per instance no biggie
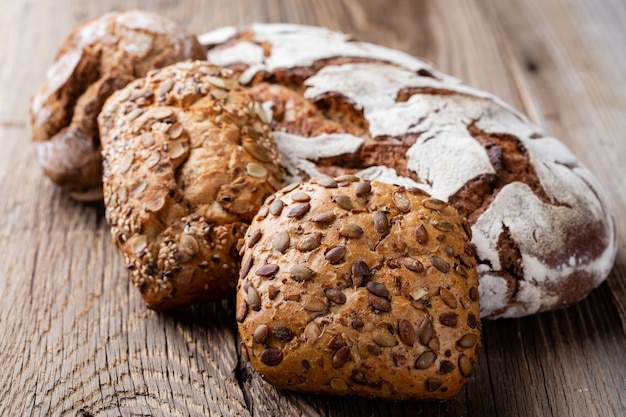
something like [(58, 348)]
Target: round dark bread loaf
[(543, 233), (358, 287), (98, 58), (188, 160)]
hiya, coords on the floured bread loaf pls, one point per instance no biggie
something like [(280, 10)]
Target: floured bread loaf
[(358, 287), (96, 59), (541, 227), (188, 160)]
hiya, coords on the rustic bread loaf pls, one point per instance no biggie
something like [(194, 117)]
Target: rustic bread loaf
[(352, 287), (188, 160), (96, 59), (541, 226)]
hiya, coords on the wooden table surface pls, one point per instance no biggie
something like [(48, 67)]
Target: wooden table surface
[(76, 339)]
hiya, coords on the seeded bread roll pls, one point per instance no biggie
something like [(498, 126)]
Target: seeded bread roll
[(541, 225), (188, 160), (99, 57), (352, 287)]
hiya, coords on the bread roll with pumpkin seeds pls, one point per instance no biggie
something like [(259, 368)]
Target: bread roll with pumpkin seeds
[(362, 288), (98, 58), (188, 159)]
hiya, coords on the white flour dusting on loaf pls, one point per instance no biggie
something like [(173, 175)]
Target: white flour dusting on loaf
[(455, 126)]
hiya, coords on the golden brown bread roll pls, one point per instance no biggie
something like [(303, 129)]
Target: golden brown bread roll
[(352, 287), (188, 160), (98, 58)]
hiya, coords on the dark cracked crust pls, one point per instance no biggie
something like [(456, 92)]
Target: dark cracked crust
[(96, 59), (362, 288), (541, 225), (188, 161)]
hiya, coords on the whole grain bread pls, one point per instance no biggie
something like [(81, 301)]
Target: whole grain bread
[(543, 232), (188, 160), (96, 59), (362, 288)]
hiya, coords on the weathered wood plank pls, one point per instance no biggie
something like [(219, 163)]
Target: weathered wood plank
[(77, 340), (553, 362)]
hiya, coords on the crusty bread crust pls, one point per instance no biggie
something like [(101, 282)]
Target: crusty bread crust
[(188, 160), (96, 59), (352, 287)]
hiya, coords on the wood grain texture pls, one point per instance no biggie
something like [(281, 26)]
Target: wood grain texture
[(76, 338)]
